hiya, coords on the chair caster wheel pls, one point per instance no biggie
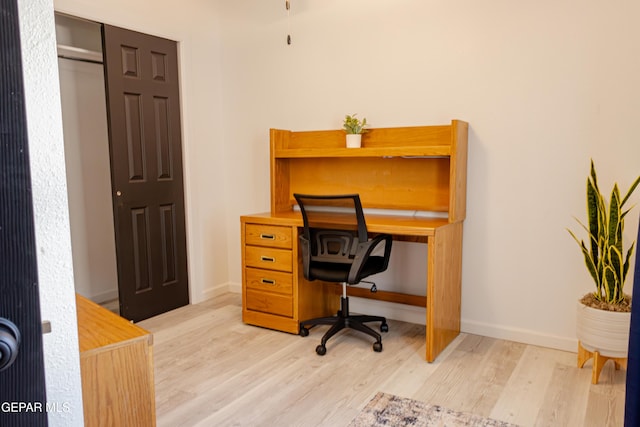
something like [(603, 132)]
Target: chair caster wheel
[(304, 331), (377, 347), (384, 328), (321, 350)]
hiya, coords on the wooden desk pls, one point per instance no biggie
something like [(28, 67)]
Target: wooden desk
[(116, 363), (410, 169)]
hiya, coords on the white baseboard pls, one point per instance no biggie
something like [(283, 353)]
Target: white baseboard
[(519, 335), (234, 287), (413, 314), (220, 289), (103, 297)]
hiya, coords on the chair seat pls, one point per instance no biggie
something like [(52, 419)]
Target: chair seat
[(332, 272)]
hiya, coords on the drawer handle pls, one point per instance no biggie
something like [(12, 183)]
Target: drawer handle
[(268, 281), (267, 258), (268, 236)]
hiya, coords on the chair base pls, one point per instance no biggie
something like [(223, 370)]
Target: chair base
[(342, 321)]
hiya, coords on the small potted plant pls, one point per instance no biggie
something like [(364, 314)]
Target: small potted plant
[(605, 314), (354, 129)]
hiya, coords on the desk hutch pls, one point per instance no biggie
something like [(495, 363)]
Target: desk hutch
[(416, 170)]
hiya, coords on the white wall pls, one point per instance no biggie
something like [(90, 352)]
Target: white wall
[(46, 152), (544, 85)]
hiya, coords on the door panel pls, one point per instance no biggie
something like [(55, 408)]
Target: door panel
[(146, 163), (21, 382)]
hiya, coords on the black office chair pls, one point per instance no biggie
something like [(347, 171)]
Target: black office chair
[(335, 247)]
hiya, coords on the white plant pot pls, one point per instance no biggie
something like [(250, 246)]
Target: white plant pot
[(606, 332), (354, 140)]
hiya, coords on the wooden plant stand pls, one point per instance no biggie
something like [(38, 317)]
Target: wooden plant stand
[(598, 361)]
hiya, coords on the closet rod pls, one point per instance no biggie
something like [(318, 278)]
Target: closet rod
[(78, 54), (90, 61)]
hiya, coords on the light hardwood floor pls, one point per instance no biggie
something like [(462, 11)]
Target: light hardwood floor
[(213, 370)]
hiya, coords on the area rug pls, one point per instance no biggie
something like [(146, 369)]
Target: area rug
[(393, 411)]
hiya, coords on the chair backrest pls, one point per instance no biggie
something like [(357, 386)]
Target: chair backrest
[(333, 226)]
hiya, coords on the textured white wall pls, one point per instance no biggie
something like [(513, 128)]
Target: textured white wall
[(46, 150)]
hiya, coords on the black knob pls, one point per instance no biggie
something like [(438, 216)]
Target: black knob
[(9, 343)]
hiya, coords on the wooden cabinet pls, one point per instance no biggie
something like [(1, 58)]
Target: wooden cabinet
[(116, 363)]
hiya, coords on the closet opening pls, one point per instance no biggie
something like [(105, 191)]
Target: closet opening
[(121, 120), (86, 144)]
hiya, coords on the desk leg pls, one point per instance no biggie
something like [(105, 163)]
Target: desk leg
[(444, 281)]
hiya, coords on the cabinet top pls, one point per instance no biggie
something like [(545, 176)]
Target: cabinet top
[(99, 328)]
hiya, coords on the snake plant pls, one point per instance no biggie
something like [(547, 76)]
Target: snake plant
[(603, 255)]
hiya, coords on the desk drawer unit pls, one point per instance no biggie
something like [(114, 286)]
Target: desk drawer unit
[(268, 278)]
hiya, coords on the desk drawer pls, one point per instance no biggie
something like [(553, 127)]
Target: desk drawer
[(269, 280), (268, 235), (269, 258), (269, 303)]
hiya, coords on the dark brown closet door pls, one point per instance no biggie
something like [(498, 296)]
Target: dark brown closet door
[(143, 105)]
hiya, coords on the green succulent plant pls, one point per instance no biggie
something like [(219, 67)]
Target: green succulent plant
[(353, 125), (604, 254)]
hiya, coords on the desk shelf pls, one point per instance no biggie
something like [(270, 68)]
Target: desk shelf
[(384, 152)]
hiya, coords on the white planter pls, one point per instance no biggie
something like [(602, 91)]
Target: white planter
[(354, 140), (606, 332)]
